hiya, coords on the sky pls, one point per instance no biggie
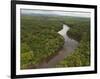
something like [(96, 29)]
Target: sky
[(59, 13)]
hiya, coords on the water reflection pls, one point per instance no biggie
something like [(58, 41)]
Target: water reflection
[(69, 46)]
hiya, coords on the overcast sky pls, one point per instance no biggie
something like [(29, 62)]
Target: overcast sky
[(60, 13)]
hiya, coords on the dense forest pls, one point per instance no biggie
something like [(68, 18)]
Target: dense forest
[(40, 40), (80, 31)]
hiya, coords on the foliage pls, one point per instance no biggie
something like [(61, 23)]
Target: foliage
[(39, 40), (80, 31)]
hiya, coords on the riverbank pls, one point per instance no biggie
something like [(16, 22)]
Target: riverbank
[(69, 46)]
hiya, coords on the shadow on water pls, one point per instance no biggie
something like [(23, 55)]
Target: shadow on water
[(68, 48)]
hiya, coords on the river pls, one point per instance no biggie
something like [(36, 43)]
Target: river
[(69, 46)]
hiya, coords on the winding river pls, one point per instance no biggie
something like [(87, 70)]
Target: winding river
[(68, 48)]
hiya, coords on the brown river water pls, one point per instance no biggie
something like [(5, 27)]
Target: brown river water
[(69, 46)]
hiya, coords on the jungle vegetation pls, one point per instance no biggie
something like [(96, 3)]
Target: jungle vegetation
[(40, 40), (80, 31)]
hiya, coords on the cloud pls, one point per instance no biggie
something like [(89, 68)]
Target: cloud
[(59, 13)]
